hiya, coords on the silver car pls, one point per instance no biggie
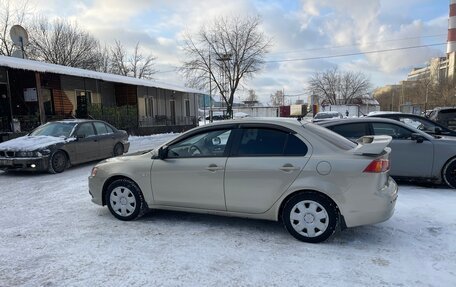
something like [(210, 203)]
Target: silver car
[(312, 179), (415, 154)]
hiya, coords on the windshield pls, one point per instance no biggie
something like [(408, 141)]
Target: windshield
[(54, 129)]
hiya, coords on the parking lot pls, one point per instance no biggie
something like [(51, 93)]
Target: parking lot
[(53, 235)]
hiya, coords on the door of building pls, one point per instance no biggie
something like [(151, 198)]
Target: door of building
[(5, 112), (81, 110), (172, 106)]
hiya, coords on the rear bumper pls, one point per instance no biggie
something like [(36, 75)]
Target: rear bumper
[(375, 207), (27, 164)]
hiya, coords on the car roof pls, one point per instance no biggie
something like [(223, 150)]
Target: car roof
[(370, 120), (261, 120), (381, 114), (328, 112), (358, 120), (76, 121)]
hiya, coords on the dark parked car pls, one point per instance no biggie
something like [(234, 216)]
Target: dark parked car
[(55, 146), (414, 154), (423, 124), (445, 116), (327, 115)]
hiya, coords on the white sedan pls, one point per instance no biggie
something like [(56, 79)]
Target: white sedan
[(306, 176)]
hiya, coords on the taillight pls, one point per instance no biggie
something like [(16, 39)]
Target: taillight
[(378, 165)]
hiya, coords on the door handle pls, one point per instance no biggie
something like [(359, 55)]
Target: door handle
[(288, 167), (214, 167)]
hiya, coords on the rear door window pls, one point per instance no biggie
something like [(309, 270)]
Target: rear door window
[(269, 142)]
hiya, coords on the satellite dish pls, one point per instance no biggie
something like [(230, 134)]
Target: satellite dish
[(19, 36), (17, 53), (20, 39)]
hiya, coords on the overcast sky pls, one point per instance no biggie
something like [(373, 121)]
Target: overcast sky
[(299, 29)]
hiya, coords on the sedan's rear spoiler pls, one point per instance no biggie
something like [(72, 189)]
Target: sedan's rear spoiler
[(371, 145)]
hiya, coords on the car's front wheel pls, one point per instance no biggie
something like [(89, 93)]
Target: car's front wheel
[(58, 162), (310, 217), (125, 200), (449, 173)]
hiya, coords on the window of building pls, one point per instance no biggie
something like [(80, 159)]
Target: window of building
[(187, 108), (149, 105)]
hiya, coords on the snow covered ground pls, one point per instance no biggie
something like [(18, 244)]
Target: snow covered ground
[(53, 235)]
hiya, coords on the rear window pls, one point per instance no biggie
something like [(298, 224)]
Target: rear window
[(331, 137), (352, 131)]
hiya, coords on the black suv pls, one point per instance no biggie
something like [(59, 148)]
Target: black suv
[(444, 116)]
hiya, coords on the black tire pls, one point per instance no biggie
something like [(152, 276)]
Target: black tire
[(118, 149), (449, 173), (125, 200), (58, 162), (304, 227)]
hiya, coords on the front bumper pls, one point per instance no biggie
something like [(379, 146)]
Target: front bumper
[(25, 163), (96, 188)]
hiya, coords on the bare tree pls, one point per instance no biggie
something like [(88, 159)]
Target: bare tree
[(64, 43), (337, 87), (227, 51), (277, 99), (119, 59), (135, 65), (11, 13), (104, 60)]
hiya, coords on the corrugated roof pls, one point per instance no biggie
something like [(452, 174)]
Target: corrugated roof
[(31, 65)]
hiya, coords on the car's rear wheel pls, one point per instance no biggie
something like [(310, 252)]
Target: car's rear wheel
[(118, 149), (310, 217), (58, 162), (125, 200), (449, 173)]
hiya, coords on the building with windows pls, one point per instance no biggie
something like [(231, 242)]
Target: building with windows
[(32, 93)]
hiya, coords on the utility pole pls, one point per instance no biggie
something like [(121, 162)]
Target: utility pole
[(392, 98), (210, 87)]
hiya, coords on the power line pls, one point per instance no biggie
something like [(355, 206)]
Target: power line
[(354, 54), (333, 56), (355, 45)]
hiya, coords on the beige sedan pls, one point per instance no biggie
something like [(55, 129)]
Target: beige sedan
[(312, 179)]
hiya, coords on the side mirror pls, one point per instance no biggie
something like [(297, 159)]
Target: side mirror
[(79, 136), (163, 152), (438, 130), (417, 137)]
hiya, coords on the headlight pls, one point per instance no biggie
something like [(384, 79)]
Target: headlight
[(26, 154), (94, 171), (44, 151)]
